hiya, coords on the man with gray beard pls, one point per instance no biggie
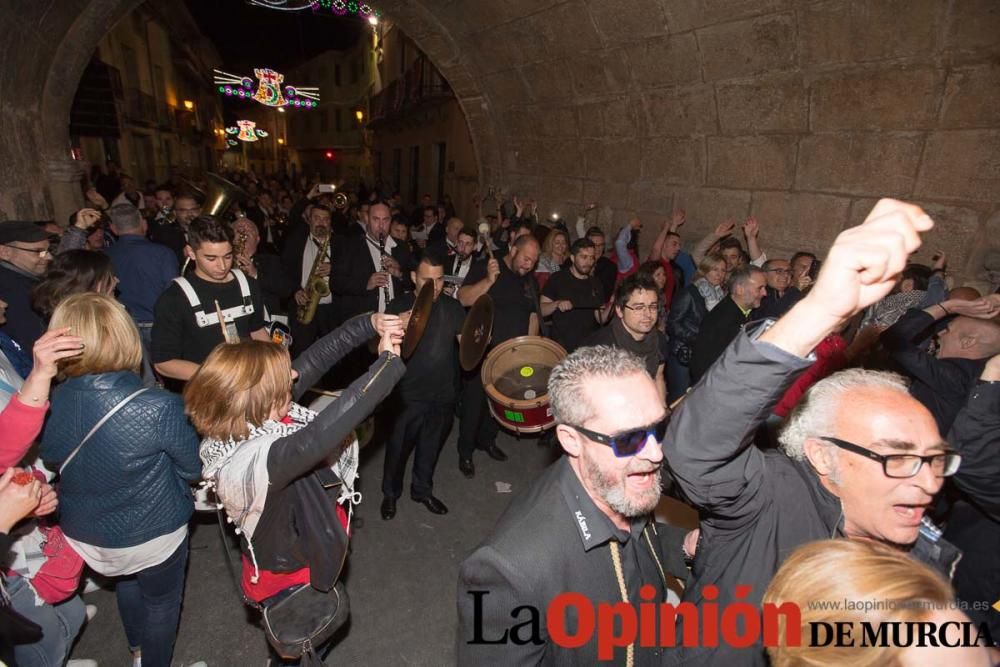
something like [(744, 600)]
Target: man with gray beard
[(585, 525)]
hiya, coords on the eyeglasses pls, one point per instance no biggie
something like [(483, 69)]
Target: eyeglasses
[(643, 307), (902, 466), (628, 443), (780, 272), (45, 252)]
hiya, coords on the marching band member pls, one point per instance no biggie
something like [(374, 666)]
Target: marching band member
[(186, 324)]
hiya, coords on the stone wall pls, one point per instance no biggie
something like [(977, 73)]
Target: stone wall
[(797, 112)]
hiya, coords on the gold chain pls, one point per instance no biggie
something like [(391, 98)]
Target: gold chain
[(616, 559)]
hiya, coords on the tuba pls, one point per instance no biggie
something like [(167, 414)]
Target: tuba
[(317, 286), (220, 196)]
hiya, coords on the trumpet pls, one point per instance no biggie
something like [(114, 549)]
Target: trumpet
[(317, 286), (340, 200)]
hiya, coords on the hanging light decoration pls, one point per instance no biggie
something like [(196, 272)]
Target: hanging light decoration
[(269, 90)]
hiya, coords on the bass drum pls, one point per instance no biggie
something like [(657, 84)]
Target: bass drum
[(365, 430), (515, 377)]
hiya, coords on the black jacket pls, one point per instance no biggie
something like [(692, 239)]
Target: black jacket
[(291, 257), (686, 314), (553, 540), (942, 385), (353, 266), (718, 329), (775, 306), (299, 526), (275, 284), (23, 324), (975, 434), (756, 507)]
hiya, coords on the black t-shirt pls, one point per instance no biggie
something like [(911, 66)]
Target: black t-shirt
[(431, 371), (572, 327), (606, 273), (515, 298), (176, 334)]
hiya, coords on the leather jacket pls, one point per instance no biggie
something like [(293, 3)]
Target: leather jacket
[(686, 313)]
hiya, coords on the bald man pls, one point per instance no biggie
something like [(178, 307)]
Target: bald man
[(942, 381), (514, 291)]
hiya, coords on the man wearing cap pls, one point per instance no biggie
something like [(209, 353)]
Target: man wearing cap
[(24, 256)]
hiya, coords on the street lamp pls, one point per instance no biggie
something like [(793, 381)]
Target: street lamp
[(360, 115), (189, 105)]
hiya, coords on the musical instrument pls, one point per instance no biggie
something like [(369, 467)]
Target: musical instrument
[(221, 194), (382, 255), (476, 331), (515, 377), (340, 200), (222, 324), (419, 315), (239, 247), (317, 286)]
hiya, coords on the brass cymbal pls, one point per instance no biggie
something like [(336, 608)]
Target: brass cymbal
[(419, 315), (476, 332)]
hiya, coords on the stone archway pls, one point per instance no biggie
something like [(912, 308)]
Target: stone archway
[(797, 112)]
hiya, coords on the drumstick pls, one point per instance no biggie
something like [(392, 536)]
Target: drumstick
[(484, 234), (222, 323)]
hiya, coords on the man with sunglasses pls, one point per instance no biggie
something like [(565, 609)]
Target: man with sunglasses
[(584, 526), (860, 457), (24, 256)]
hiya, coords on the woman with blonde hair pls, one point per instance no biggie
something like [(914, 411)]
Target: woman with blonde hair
[(279, 469), (126, 456), (555, 252), (882, 585)]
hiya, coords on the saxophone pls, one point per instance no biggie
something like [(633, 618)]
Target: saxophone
[(241, 245), (317, 286)]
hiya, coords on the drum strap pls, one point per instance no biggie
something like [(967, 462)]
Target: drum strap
[(204, 319)]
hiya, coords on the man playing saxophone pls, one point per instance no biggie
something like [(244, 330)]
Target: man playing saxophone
[(306, 261)]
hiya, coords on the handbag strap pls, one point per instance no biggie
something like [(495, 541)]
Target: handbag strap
[(105, 418)]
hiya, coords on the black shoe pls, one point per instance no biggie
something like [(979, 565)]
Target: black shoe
[(388, 508), (467, 467), (495, 453), (434, 505)]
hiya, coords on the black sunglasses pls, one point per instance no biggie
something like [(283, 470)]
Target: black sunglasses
[(903, 466), (628, 443)]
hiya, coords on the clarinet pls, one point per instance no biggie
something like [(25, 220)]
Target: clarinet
[(383, 254)]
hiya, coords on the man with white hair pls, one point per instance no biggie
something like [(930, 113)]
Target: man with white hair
[(860, 457), (584, 526)]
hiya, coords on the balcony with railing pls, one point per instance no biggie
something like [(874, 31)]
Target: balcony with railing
[(421, 85), (140, 107)]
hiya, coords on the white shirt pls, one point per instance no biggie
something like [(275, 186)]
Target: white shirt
[(121, 562), (387, 294), (308, 257)]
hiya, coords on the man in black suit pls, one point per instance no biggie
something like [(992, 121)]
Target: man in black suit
[(584, 526), (457, 264), (298, 259), (368, 270), (747, 286), (263, 213)]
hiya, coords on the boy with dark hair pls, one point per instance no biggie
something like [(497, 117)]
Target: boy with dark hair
[(186, 318)]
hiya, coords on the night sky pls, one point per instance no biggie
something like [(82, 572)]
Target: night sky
[(248, 36)]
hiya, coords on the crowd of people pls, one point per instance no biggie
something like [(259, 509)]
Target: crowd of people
[(786, 400)]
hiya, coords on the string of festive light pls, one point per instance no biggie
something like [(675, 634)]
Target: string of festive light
[(345, 7), (269, 91), (246, 130)]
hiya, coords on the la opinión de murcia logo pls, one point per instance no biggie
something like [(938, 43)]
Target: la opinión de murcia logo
[(738, 624)]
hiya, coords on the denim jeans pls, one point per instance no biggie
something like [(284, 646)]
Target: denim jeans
[(60, 624), (149, 603)]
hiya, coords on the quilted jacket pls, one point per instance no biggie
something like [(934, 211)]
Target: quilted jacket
[(131, 481)]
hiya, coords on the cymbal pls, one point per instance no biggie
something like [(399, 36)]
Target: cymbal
[(476, 332), (419, 315)]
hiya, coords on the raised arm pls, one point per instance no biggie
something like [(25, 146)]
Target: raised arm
[(297, 454), (705, 244), (751, 231), (711, 458)]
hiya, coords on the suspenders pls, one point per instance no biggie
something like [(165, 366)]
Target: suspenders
[(211, 318)]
